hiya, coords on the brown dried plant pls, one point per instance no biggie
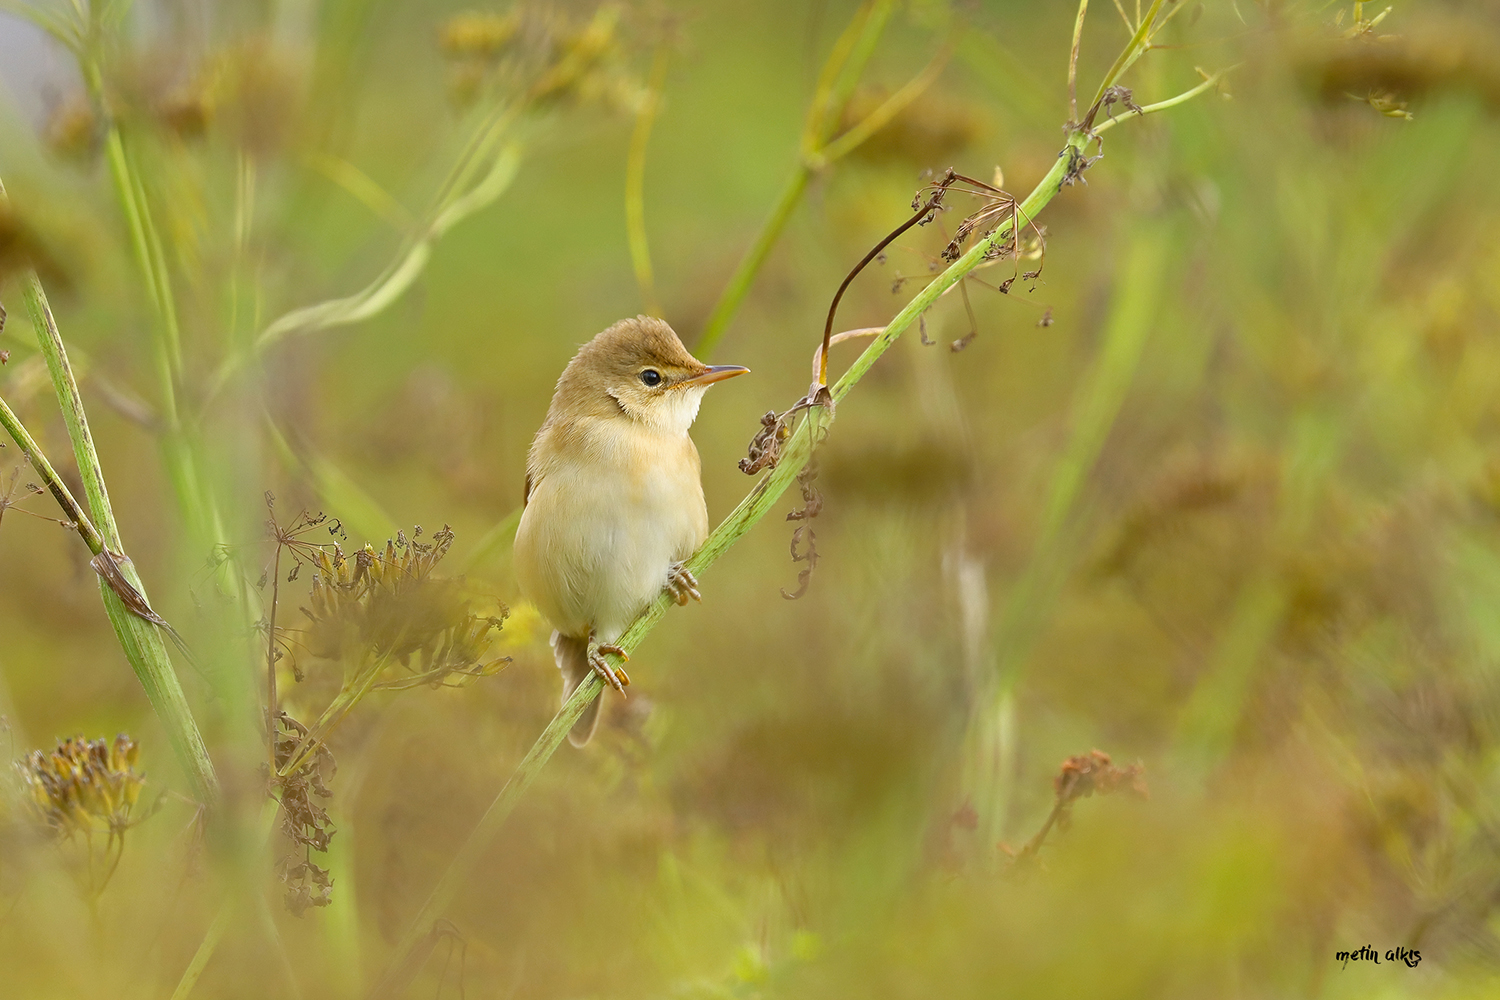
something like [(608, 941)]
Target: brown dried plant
[(1080, 777), (87, 789), (305, 823), (998, 207), (10, 501), (388, 621), (387, 605)]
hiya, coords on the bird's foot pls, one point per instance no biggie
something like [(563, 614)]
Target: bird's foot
[(682, 585), (615, 677)]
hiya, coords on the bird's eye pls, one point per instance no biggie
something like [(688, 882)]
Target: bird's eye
[(651, 377)]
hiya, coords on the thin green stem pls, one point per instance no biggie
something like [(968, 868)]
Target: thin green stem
[(1171, 102), (272, 711), (342, 704), (220, 924), (828, 75), (635, 181), (1083, 9), (1139, 43), (889, 109), (849, 74), (193, 496), (751, 509), (50, 478), (836, 82), (744, 275), (141, 641), (405, 963)]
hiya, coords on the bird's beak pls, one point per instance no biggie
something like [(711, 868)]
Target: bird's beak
[(715, 373)]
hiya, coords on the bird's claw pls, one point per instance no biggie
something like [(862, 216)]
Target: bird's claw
[(615, 677), (682, 585)]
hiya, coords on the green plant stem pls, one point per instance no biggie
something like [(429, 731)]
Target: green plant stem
[(142, 641), (1083, 9), (216, 929), (635, 181), (836, 83), (181, 463), (1139, 44), (206, 949), (343, 703), (751, 509), (53, 481), (1171, 102), (882, 115), (749, 266)]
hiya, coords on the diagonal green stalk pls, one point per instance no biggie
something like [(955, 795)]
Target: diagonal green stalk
[(181, 463), (888, 110), (744, 275), (1139, 45), (635, 182), (836, 83), (751, 509), (53, 481), (405, 964), (839, 75), (142, 642)]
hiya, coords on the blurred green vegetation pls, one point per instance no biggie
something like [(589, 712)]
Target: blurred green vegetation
[(1218, 494)]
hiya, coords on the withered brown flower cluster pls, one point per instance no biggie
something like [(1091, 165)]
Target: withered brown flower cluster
[(1085, 774), (84, 787), (1079, 777), (303, 820), (387, 606), (390, 623)]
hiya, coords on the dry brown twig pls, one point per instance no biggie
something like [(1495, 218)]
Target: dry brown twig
[(998, 207), (1080, 777)]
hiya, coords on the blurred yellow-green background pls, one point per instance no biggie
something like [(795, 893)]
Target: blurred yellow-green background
[(1217, 494)]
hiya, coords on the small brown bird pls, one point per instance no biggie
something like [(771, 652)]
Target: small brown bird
[(614, 502)]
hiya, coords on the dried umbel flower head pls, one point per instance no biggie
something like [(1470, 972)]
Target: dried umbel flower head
[(386, 605), (1085, 774), (1080, 776), (84, 787)]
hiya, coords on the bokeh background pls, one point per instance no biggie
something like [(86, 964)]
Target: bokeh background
[(1231, 515)]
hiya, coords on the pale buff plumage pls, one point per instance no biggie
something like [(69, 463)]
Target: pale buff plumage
[(614, 500)]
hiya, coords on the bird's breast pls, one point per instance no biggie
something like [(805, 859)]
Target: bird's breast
[(612, 507)]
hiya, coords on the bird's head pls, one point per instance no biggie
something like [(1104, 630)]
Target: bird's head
[(638, 369)]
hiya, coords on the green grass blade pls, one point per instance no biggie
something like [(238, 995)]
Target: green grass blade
[(142, 642)]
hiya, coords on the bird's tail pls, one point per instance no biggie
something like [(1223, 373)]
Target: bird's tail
[(572, 656)]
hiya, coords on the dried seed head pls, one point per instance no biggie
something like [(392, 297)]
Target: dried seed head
[(387, 604), (84, 787)]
